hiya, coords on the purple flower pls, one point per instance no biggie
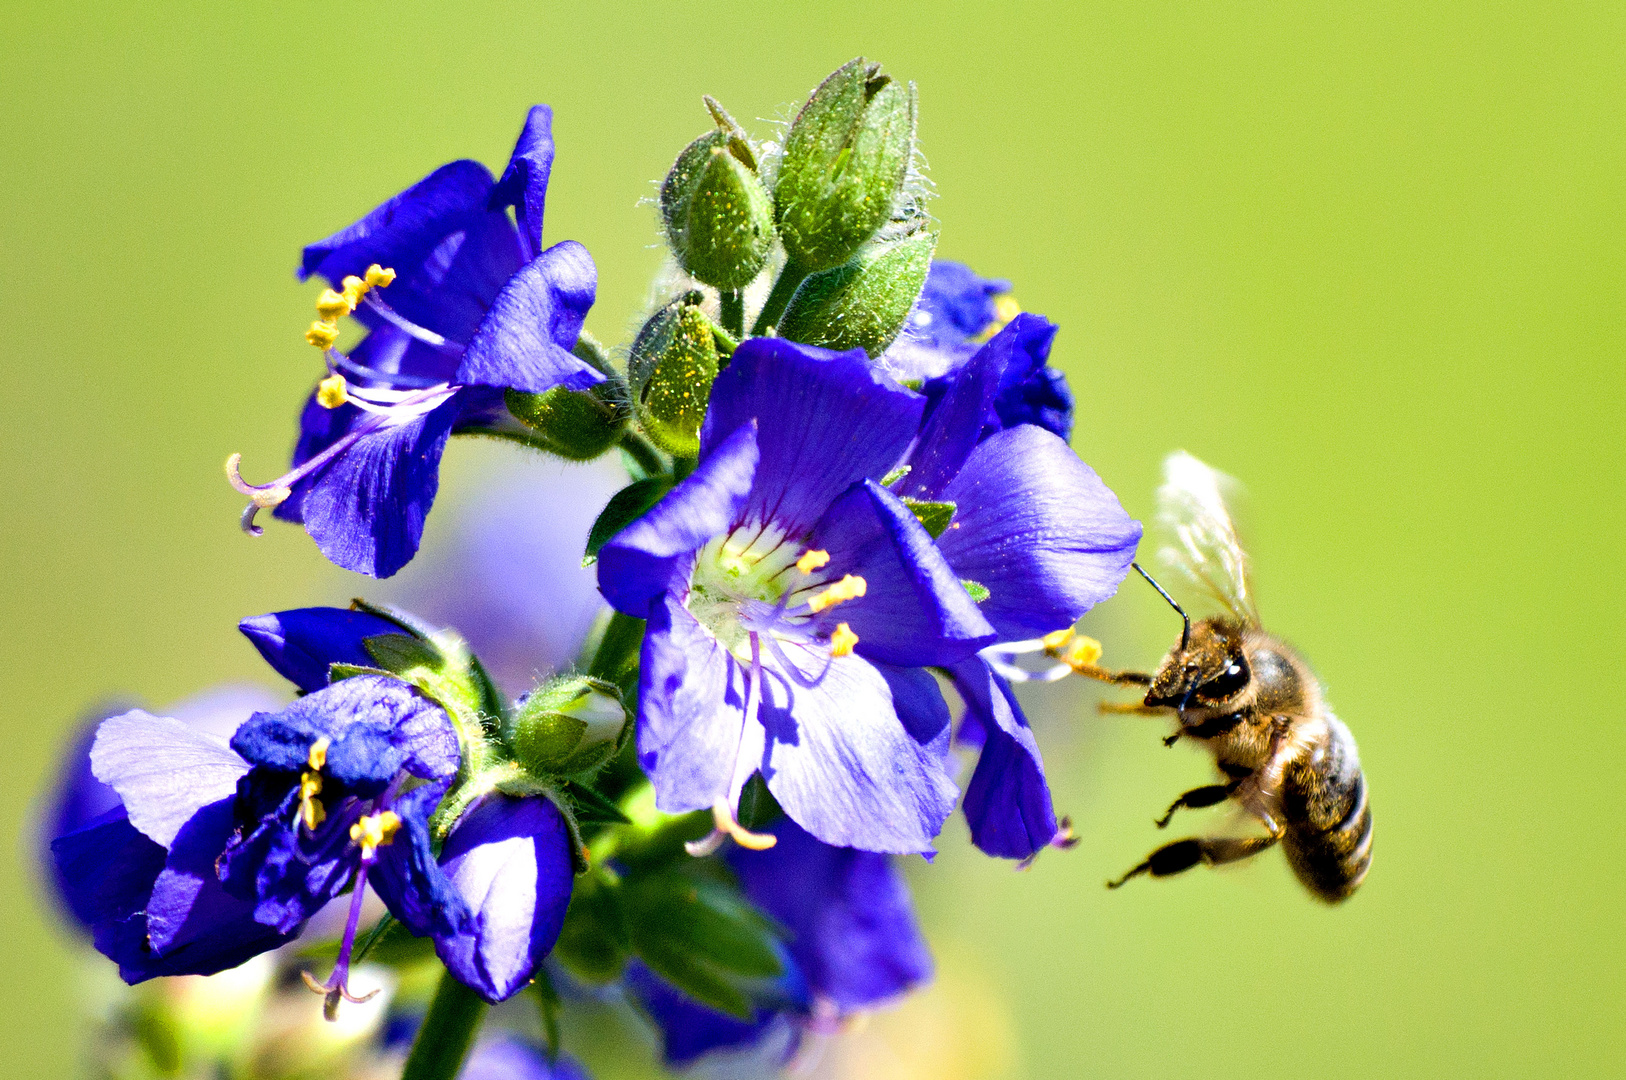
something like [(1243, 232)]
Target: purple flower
[(959, 311), (1036, 528), (852, 938), (793, 603), (504, 1057), (475, 306)]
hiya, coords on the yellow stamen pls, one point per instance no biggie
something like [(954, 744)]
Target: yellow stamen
[(1054, 640), (848, 588), (1082, 653), (379, 276), (374, 831), (811, 560), (330, 392), (311, 810), (323, 334), (354, 289), (318, 758), (1005, 309), (843, 640), (330, 305)]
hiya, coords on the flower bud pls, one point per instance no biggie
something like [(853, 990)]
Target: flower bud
[(862, 305), (846, 158), (673, 363), (719, 217), (576, 424), (569, 726)]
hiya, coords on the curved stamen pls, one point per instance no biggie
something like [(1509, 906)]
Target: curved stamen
[(337, 361), (412, 329)]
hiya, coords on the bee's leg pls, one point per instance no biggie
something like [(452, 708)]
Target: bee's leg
[(1116, 678), (1134, 708), (1197, 798), (1184, 854)]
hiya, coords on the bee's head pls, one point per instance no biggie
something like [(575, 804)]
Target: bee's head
[(1206, 671)]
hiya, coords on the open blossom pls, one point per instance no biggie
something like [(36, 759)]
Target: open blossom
[(1036, 528), (460, 302), (852, 942), (793, 603)]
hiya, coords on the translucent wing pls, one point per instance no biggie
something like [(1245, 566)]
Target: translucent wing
[(1199, 536)]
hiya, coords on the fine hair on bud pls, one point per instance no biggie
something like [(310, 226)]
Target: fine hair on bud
[(864, 303), (717, 213)]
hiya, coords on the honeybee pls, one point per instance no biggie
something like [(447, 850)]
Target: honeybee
[(1284, 757)]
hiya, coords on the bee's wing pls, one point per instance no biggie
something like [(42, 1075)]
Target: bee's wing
[(1199, 538)]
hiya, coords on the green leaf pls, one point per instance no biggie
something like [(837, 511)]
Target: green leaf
[(703, 919), (979, 592), (695, 978), (593, 808), (593, 944), (758, 807), (547, 1000), (625, 506), (934, 515)]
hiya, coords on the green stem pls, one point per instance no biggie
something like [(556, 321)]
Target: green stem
[(733, 312), (789, 279), (642, 451), (447, 1033), (618, 649)]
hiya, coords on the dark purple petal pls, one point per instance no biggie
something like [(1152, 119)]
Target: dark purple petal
[(524, 184), (105, 868), (163, 770), (1007, 803), (689, 1029), (840, 760), (510, 861), (826, 420), (366, 509), (272, 861), (1039, 530), (914, 611), (962, 407), (852, 926), (302, 643), (525, 339), (191, 919), (691, 696), (655, 553), (1031, 391), (409, 879), (377, 725)]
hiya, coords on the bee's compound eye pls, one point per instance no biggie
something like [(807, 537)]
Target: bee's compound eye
[(1228, 682)]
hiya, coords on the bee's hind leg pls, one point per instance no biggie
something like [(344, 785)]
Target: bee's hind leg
[(1184, 854)]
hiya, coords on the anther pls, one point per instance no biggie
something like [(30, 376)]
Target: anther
[(811, 560), (843, 640), (848, 588), (379, 276), (323, 333), (1082, 654), (1056, 640), (332, 392), (330, 305), (353, 289), (374, 831)]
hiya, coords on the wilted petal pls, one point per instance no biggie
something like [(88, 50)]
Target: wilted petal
[(163, 770)]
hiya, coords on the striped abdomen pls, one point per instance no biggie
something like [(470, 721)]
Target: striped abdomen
[(1327, 817)]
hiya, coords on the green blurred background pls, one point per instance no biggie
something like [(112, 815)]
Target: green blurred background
[(1368, 258)]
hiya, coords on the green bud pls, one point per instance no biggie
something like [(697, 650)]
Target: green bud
[(846, 159), (863, 304), (673, 363), (719, 217), (575, 424), (569, 726)]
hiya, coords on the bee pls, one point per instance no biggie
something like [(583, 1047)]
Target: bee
[(1253, 702)]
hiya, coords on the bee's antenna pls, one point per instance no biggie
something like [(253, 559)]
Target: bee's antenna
[(1185, 635)]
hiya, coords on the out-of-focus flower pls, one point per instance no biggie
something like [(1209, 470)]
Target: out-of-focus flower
[(476, 307), (851, 934), (793, 604)]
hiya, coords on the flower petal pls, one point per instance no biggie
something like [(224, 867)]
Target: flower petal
[(914, 611), (163, 770), (366, 509), (524, 342), (409, 879), (654, 554), (691, 697), (841, 761), (510, 860), (825, 420), (1007, 804), (505, 1057), (1039, 530), (300, 644), (852, 925), (105, 868), (524, 184)]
